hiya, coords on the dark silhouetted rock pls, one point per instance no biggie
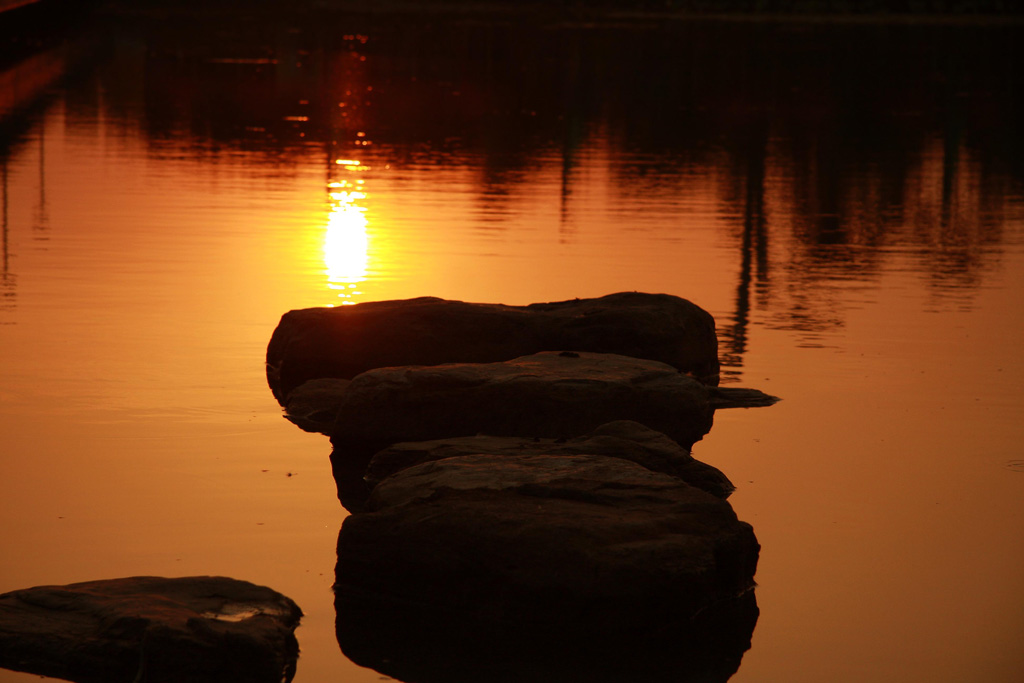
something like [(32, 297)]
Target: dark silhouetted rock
[(314, 404), (408, 642), (740, 397), (551, 542), (623, 439), (197, 629), (546, 395), (346, 341)]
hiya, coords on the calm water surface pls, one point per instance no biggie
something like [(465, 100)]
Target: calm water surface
[(848, 201)]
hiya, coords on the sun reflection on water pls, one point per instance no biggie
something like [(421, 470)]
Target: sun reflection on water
[(346, 240)]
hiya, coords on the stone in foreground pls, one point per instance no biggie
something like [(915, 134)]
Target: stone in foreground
[(198, 629), (546, 541), (346, 341), (408, 643), (622, 439), (547, 395)]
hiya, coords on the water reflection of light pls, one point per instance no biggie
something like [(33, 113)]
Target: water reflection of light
[(351, 165), (346, 243)]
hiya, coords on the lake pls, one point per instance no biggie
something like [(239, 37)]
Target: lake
[(846, 198)]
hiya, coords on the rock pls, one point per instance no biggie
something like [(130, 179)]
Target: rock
[(348, 340), (622, 439), (409, 643), (740, 397), (553, 542), (151, 629), (546, 395), (313, 405)]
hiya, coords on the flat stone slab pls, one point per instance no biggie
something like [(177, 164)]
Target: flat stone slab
[(345, 341), (622, 439), (314, 404), (198, 629), (546, 395), (553, 541)]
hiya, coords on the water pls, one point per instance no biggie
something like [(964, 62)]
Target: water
[(847, 200)]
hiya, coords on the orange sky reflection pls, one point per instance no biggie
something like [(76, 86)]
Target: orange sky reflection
[(870, 276)]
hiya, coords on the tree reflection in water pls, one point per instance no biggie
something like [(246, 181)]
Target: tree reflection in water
[(831, 155)]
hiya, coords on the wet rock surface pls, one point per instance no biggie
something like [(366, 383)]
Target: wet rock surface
[(198, 629), (552, 541), (346, 341), (546, 395), (624, 439)]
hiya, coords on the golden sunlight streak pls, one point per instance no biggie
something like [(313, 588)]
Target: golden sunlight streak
[(346, 243)]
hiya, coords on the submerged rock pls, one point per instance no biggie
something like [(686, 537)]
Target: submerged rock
[(198, 629), (548, 542), (546, 395), (346, 341), (622, 439)]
